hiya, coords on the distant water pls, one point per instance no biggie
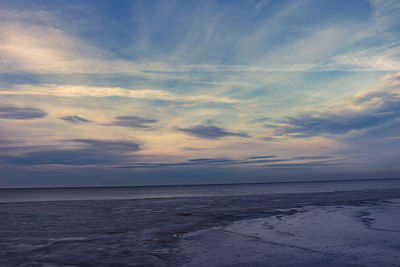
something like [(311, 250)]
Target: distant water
[(146, 192)]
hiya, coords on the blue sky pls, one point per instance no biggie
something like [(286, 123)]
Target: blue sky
[(182, 92)]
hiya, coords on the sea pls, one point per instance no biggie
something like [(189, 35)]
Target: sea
[(146, 225), (173, 191)]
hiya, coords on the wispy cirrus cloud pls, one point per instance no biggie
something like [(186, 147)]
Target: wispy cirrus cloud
[(210, 132), (62, 52), (289, 65), (384, 58), (59, 52), (97, 91), (386, 16), (17, 113)]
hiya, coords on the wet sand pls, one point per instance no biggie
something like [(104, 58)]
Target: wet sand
[(353, 228)]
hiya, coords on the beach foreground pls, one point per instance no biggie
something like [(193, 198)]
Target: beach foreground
[(353, 228), (365, 234)]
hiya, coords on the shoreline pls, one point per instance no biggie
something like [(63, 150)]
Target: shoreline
[(207, 184), (4, 199)]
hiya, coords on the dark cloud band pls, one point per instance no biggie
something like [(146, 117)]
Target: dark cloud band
[(337, 122), (210, 132), (91, 151), (15, 113), (132, 122), (75, 119)]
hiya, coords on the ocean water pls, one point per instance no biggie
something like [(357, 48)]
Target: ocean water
[(155, 226), (144, 192)]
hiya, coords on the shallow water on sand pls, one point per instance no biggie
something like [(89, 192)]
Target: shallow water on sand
[(366, 234), (142, 232)]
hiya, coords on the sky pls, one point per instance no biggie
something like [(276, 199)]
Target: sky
[(96, 93)]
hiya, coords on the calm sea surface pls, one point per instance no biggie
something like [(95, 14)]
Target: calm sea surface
[(145, 192)]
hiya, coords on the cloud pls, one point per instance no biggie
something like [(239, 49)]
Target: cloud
[(257, 161), (386, 15), (375, 58), (262, 119), (98, 91), (61, 52), (6, 142), (132, 121), (366, 110), (92, 152), (63, 157), (110, 145), (210, 132), (211, 160), (123, 155), (313, 157), (190, 148), (261, 157), (15, 113), (269, 138), (313, 164), (75, 119)]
